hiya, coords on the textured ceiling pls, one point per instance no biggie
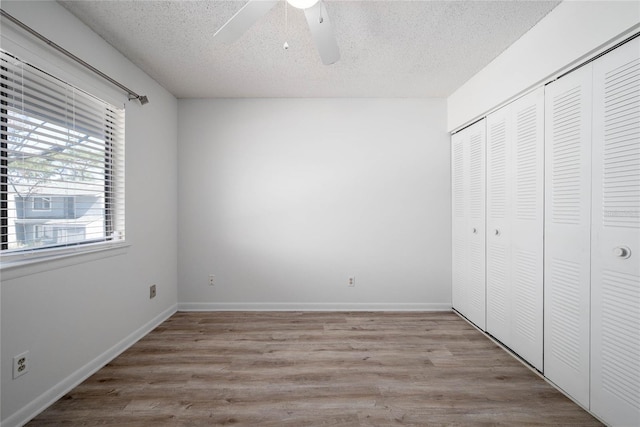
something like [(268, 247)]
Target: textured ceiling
[(398, 49)]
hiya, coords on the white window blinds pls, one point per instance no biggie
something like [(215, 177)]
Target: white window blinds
[(62, 163)]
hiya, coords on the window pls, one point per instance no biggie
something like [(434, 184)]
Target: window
[(61, 161), (43, 231), (41, 203)]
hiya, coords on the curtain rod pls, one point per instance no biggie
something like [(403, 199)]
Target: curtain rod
[(132, 95)]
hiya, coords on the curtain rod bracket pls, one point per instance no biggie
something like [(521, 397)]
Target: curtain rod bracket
[(132, 95), (142, 98)]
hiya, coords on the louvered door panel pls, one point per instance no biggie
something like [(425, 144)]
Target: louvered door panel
[(515, 193), (527, 226), (499, 136), (615, 280), (468, 206), (476, 309), (567, 232), (459, 221)]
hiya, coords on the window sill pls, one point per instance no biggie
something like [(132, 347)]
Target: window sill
[(14, 266)]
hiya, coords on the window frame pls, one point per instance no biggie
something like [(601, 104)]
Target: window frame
[(46, 203), (42, 231), (112, 210)]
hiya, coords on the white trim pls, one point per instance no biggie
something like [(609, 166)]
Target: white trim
[(59, 258), (50, 396), (319, 306)]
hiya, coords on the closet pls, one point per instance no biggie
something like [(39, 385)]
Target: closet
[(592, 276), (468, 222), (515, 179), (551, 265)]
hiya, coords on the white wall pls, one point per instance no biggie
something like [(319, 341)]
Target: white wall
[(284, 199), (569, 34), (73, 318)]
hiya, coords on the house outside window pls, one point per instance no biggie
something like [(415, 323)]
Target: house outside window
[(61, 161)]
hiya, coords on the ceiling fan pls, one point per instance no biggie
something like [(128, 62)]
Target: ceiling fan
[(314, 11)]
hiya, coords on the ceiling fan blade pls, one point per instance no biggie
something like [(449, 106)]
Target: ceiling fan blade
[(322, 33), (243, 20)]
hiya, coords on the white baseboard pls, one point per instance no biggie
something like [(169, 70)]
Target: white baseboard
[(50, 396), (321, 306)]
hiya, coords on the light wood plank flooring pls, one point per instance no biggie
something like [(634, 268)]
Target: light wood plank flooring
[(312, 369)]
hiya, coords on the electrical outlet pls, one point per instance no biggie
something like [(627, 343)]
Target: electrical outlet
[(20, 364), (351, 282), (152, 291), (212, 280)]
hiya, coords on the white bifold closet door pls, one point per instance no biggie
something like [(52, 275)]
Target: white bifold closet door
[(568, 104), (615, 234), (515, 226), (468, 206)]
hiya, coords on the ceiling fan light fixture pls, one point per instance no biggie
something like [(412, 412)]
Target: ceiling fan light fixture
[(302, 4)]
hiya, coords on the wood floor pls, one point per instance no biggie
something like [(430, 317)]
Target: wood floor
[(314, 369)]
